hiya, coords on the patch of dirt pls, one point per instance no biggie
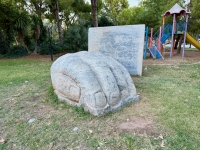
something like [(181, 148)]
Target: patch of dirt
[(192, 56), (35, 98), (42, 110), (138, 126), (41, 57)]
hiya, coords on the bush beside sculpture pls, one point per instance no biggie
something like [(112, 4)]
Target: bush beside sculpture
[(96, 82), (16, 52)]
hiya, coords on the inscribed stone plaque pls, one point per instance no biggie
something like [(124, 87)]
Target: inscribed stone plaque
[(124, 43)]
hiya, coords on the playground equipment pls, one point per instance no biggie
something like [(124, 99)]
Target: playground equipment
[(151, 46), (166, 31), (192, 41)]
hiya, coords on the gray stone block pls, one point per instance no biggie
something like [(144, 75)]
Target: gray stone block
[(124, 43), (96, 82)]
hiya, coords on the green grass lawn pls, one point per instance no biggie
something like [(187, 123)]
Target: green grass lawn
[(169, 95), (186, 48)]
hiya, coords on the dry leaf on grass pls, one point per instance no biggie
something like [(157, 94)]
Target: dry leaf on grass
[(2, 141), (198, 97), (161, 136), (51, 144), (90, 131), (162, 144)]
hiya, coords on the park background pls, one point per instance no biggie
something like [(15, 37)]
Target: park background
[(32, 117)]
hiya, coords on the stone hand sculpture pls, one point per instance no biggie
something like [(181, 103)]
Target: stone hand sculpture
[(96, 82)]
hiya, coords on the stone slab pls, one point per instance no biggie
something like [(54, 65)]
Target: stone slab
[(124, 43)]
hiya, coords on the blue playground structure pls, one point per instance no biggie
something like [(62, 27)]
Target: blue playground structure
[(151, 48), (155, 43)]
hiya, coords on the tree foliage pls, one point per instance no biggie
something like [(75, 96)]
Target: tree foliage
[(105, 21), (149, 12), (114, 7), (21, 23), (80, 11), (24, 22), (37, 7), (76, 37), (130, 16), (194, 19), (35, 26), (7, 19), (3, 44)]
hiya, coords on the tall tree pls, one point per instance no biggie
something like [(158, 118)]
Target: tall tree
[(21, 23), (94, 12), (35, 7), (80, 11), (54, 8), (8, 16), (59, 22), (36, 30)]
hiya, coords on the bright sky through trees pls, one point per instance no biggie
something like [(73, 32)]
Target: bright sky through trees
[(131, 2)]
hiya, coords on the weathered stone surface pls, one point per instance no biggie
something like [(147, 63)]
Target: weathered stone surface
[(94, 81), (124, 43)]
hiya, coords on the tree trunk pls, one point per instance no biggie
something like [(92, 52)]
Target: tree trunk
[(59, 21), (35, 50), (37, 35), (115, 20), (94, 12), (16, 40), (26, 47)]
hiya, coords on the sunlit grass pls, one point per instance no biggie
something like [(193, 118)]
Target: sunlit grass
[(186, 48)]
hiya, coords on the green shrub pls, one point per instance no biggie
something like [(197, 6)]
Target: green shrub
[(32, 47), (64, 47), (44, 49), (3, 45), (56, 49), (76, 38), (16, 52), (3, 48), (104, 21)]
